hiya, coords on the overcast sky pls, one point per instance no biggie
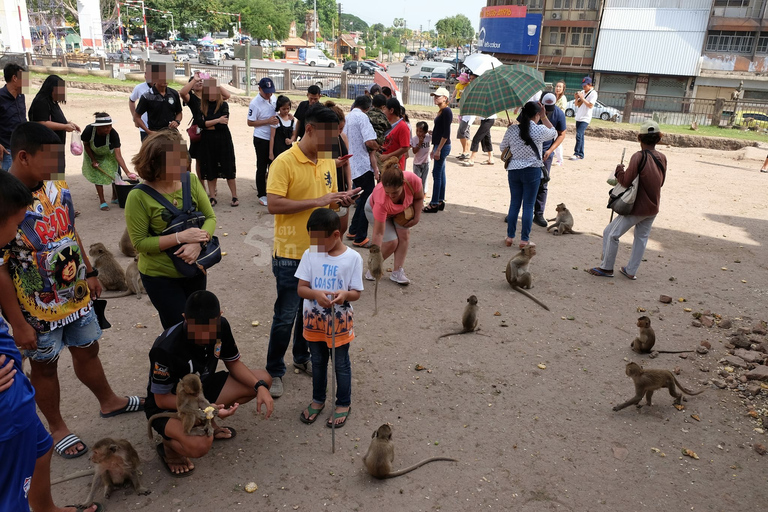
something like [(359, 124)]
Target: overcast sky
[(415, 13)]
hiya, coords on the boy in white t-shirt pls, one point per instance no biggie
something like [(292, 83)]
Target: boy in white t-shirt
[(420, 144), (330, 277)]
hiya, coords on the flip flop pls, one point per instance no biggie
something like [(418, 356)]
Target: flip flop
[(337, 415), (312, 411), (350, 236), (235, 202), (161, 452), (365, 244), (134, 405), (103, 207), (67, 442), (487, 163), (232, 431), (623, 271), (596, 271), (115, 201), (99, 507)]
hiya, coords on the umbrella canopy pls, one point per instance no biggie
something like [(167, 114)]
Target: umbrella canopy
[(502, 88), (479, 63), (383, 79)]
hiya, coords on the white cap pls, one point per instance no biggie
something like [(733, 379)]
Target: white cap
[(548, 99), (441, 91)]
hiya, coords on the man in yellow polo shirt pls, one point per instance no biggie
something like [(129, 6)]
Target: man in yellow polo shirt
[(300, 180)]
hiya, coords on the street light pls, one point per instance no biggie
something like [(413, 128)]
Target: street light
[(173, 27)]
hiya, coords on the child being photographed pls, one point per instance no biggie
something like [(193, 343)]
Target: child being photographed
[(330, 274), (420, 144), (281, 133)]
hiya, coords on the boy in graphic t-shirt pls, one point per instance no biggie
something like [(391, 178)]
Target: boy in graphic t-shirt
[(330, 277), (420, 144)]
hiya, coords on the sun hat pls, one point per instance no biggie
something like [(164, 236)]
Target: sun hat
[(441, 91), (102, 121), (649, 127)]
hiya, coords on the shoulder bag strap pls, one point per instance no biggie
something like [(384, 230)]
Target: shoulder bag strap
[(157, 196), (658, 163), (186, 193)]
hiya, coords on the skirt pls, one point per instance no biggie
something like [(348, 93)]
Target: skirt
[(217, 155)]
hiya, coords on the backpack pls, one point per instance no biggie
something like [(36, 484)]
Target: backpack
[(187, 217), (622, 199)]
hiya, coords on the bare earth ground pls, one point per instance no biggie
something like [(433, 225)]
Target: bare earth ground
[(528, 439)]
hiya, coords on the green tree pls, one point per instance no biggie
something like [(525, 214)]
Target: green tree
[(455, 30), (327, 16), (258, 16), (352, 23)]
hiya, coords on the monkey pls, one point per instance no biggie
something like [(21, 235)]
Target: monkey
[(469, 319), (191, 407), (648, 381), (132, 281), (116, 463), (375, 264), (126, 246), (644, 342), (381, 453), (563, 221), (111, 275), (518, 276)]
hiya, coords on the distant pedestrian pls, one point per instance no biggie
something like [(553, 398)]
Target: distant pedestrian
[(557, 118), (482, 136), (398, 140), (138, 92), (764, 168), (387, 92), (464, 121), (162, 105), (281, 134), (561, 103), (217, 155), (46, 108), (313, 96), (261, 115), (584, 101), (441, 142), (13, 109), (420, 143)]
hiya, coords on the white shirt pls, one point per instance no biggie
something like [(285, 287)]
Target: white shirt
[(359, 130), (330, 274), (260, 109), (584, 113), (137, 93), (524, 155)]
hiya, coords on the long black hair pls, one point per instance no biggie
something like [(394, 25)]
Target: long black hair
[(49, 84), (527, 114)]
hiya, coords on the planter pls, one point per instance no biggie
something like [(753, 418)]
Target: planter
[(100, 72), (78, 71), (55, 70), (138, 77)]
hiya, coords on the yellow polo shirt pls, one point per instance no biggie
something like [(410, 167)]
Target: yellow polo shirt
[(293, 176)]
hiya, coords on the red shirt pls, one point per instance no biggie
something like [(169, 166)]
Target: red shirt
[(398, 137)]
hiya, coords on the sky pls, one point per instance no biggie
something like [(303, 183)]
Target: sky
[(415, 13)]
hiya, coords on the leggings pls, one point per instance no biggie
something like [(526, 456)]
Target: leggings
[(169, 295)]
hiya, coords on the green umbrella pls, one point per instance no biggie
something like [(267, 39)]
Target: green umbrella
[(502, 88)]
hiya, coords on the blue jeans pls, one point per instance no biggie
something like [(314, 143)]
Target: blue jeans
[(81, 333), (581, 127), (523, 186), (320, 355), (438, 176), (287, 316), (7, 160)]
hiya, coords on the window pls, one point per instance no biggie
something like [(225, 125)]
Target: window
[(580, 4), (557, 36), (588, 36), (535, 5), (592, 5), (730, 41), (575, 36), (582, 36), (732, 3), (762, 44), (561, 4)]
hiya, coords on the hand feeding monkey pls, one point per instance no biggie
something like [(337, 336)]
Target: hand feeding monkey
[(518, 276), (375, 263), (381, 453), (646, 339), (469, 319), (648, 381), (191, 407)]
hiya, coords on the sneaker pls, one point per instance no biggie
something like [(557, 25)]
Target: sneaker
[(277, 387), (304, 367), (263, 200), (399, 276), (463, 156), (539, 220), (574, 157), (763, 170), (368, 276)]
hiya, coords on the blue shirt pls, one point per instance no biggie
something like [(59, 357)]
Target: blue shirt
[(558, 122), (18, 401), (13, 112)]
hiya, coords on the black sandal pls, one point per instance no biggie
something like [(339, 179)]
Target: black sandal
[(432, 208), (234, 202), (441, 206), (214, 202)]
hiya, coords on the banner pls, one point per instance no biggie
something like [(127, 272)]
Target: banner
[(89, 17), (509, 29), (14, 27)]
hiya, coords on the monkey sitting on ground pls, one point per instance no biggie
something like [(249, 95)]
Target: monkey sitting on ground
[(648, 381), (111, 275), (117, 464), (645, 340), (563, 221), (518, 276), (126, 246), (132, 280), (191, 407), (469, 319), (375, 263), (381, 453)]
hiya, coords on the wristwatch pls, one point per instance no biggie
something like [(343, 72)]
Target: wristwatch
[(92, 273), (258, 385)]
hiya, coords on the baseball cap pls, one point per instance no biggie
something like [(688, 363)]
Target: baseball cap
[(267, 85), (649, 127), (549, 100), (441, 91), (587, 80)]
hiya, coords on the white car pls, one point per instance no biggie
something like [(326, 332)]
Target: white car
[(228, 52), (600, 110), (304, 81)]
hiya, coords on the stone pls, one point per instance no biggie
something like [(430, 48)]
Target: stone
[(665, 299), (734, 361), (753, 389), (695, 323), (759, 448), (725, 323), (683, 356), (706, 312), (759, 327), (748, 355), (706, 344), (619, 451), (729, 346), (719, 383), (741, 330), (702, 350), (743, 379), (707, 321), (740, 341), (677, 370), (759, 373)]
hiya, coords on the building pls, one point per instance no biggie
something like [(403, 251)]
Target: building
[(347, 47)]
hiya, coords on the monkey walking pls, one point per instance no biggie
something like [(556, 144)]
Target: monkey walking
[(126, 246), (381, 453), (646, 339), (111, 275), (191, 407), (648, 381), (132, 281), (518, 276), (375, 264), (469, 319)]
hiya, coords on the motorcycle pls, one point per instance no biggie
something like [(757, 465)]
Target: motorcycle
[(407, 67)]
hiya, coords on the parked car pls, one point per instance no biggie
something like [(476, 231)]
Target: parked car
[(209, 57), (359, 67), (228, 52), (376, 63), (353, 91), (441, 77), (410, 60), (600, 110), (315, 57), (304, 81), (123, 56), (159, 44), (751, 119)]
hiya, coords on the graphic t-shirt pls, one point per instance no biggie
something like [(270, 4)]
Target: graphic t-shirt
[(331, 274), (422, 157), (45, 263)]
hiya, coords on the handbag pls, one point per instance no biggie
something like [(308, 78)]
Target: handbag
[(187, 217), (407, 214), (506, 156), (195, 133), (622, 199)]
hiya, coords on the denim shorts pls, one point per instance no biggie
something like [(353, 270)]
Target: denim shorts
[(80, 334)]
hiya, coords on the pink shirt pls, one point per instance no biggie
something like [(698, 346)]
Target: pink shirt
[(383, 207)]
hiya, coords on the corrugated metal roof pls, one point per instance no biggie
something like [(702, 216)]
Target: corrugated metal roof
[(661, 41)]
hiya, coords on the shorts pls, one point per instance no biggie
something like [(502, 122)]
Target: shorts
[(390, 228), (211, 390), (463, 131), (79, 334), (19, 455)]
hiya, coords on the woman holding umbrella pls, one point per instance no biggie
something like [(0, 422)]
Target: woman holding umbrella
[(441, 140)]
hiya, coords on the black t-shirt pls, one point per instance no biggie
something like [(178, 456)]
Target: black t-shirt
[(442, 129), (45, 109), (173, 356), (194, 105), (161, 110), (215, 114), (301, 112), (100, 140)]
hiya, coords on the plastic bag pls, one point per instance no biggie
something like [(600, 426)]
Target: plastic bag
[(76, 146)]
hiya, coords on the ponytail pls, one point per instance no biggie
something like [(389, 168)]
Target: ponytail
[(527, 114)]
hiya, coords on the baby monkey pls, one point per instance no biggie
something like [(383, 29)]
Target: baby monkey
[(469, 319), (563, 221), (646, 339), (517, 273), (191, 408), (381, 453), (648, 381), (375, 263)]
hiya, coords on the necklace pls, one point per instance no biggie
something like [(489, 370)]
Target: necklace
[(168, 192)]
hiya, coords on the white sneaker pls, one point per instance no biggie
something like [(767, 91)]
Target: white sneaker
[(399, 277), (263, 200), (368, 276)]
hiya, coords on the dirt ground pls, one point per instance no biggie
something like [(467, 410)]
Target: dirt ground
[(527, 438)]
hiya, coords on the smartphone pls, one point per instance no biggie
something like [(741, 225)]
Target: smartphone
[(345, 158), (356, 194)]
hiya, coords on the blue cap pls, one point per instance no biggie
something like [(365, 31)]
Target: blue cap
[(267, 85), (586, 81)]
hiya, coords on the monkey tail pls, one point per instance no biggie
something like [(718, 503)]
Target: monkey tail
[(687, 391), (454, 333), (116, 295), (376, 298), (534, 299), (674, 352), (418, 465), (77, 474), (156, 416)]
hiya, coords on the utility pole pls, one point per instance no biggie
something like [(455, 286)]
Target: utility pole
[(314, 23)]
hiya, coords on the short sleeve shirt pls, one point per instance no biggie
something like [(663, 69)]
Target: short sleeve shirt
[(359, 130), (161, 110), (100, 140), (330, 274), (136, 94), (260, 109), (398, 137), (383, 207), (558, 122), (584, 113), (45, 109), (422, 157), (301, 112)]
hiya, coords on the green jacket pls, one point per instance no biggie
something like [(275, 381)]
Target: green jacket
[(380, 124)]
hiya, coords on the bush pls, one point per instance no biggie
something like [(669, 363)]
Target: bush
[(279, 54)]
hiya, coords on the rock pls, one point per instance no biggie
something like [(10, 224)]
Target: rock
[(725, 323), (706, 312), (683, 356), (729, 346), (704, 368), (734, 361), (753, 389), (677, 370), (706, 344), (702, 350), (759, 373), (696, 323), (665, 299), (759, 448), (743, 379), (759, 327), (748, 355), (654, 354), (719, 383), (707, 321), (740, 341), (730, 379), (619, 451), (741, 330)]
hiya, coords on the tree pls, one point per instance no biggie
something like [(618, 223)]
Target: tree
[(263, 19), (455, 30), (352, 23)]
